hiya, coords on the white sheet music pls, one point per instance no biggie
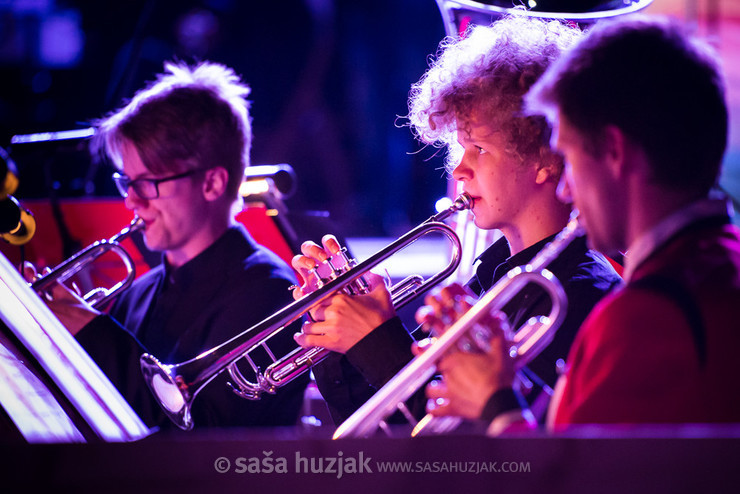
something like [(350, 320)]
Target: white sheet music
[(30, 405)]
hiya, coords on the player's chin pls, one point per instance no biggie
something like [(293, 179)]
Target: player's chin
[(484, 223), (154, 241)]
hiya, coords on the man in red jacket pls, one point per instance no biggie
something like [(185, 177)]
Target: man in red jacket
[(640, 115)]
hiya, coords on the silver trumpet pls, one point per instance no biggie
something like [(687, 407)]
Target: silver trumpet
[(527, 342), (99, 296), (176, 385)]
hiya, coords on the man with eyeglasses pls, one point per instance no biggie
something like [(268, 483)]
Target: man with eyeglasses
[(146, 188), (181, 146)]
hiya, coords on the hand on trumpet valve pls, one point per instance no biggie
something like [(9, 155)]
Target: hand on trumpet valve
[(443, 308), (66, 303), (313, 264), (342, 320), (469, 379)]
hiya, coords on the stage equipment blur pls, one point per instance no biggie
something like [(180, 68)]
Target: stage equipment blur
[(276, 180), (469, 333), (458, 15), (98, 296), (177, 385), (17, 224), (264, 190)]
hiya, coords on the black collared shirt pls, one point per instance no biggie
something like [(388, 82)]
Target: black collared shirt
[(231, 285), (178, 314), (347, 381), (586, 276)]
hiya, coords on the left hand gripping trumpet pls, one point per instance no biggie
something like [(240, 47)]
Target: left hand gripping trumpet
[(176, 385)]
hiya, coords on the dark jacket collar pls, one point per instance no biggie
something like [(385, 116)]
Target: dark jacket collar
[(211, 265)]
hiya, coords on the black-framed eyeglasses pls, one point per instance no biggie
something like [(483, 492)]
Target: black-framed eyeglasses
[(145, 188)]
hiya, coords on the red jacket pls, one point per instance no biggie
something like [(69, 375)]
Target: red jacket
[(639, 358)]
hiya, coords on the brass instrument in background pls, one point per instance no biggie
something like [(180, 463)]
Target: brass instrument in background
[(17, 224), (177, 385), (457, 15), (99, 296), (527, 342)]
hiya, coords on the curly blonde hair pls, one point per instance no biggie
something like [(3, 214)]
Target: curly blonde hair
[(485, 75)]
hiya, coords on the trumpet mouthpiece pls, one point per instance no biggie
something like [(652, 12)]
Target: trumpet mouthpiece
[(462, 202)]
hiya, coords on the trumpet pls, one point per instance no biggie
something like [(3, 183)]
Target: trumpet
[(99, 296), (176, 385), (527, 342)]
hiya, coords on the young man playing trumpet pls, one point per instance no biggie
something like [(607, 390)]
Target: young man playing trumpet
[(181, 146), (470, 101), (640, 116)]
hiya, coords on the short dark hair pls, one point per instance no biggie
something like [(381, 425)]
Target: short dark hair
[(662, 87), (189, 118)]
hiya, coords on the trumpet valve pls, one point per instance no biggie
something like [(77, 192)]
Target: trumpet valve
[(340, 263), (315, 273), (478, 340)]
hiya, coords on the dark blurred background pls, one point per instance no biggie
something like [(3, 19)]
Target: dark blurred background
[(329, 79)]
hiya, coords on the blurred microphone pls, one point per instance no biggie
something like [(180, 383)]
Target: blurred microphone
[(260, 179), (17, 225), (8, 178)]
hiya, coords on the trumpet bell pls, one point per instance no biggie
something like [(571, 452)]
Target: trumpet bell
[(172, 395)]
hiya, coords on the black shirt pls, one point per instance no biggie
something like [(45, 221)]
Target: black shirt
[(177, 314), (347, 381)]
